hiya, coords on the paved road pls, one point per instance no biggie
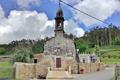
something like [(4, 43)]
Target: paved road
[(4, 79), (106, 74)]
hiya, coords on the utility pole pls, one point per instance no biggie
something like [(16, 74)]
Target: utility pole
[(78, 61)]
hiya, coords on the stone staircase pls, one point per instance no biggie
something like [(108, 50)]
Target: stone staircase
[(59, 74)]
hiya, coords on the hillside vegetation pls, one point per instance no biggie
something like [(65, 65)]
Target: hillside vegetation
[(110, 54)]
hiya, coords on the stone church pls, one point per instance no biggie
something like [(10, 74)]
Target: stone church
[(59, 57), (61, 45)]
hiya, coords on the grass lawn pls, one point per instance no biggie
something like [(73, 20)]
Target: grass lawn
[(111, 60), (6, 70), (113, 51)]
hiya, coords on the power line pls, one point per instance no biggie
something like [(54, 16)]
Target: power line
[(84, 12)]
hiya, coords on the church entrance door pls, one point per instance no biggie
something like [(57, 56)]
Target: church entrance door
[(58, 62)]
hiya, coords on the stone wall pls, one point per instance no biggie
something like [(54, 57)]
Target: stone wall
[(39, 57), (84, 67), (41, 70), (90, 67), (117, 72), (26, 71)]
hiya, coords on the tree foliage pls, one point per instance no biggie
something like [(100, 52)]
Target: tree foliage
[(117, 41), (81, 45), (22, 54), (38, 47), (102, 35), (2, 51)]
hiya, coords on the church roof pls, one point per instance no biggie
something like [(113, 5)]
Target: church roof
[(59, 12)]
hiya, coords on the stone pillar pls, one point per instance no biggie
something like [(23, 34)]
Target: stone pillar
[(69, 69), (48, 69)]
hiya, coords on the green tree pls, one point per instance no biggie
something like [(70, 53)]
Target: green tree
[(2, 51), (22, 54), (102, 35), (81, 45), (38, 47)]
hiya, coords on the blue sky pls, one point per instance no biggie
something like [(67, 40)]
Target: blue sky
[(50, 7), (46, 6), (102, 10)]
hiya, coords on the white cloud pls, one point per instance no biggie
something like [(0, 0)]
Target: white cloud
[(100, 9), (48, 29), (26, 3), (72, 28), (22, 24), (31, 25)]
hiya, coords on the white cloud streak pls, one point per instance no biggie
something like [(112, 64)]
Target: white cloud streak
[(26, 3)]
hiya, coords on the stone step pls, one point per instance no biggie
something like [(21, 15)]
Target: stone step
[(57, 69), (60, 75)]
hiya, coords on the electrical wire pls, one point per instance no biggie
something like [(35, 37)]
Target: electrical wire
[(84, 12)]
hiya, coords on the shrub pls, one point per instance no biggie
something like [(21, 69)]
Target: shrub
[(117, 41), (22, 54), (2, 51)]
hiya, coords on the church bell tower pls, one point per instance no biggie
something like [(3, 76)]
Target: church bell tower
[(59, 21)]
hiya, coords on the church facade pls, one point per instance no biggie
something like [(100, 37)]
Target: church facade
[(60, 46)]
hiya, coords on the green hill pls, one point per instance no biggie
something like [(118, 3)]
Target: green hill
[(110, 54)]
